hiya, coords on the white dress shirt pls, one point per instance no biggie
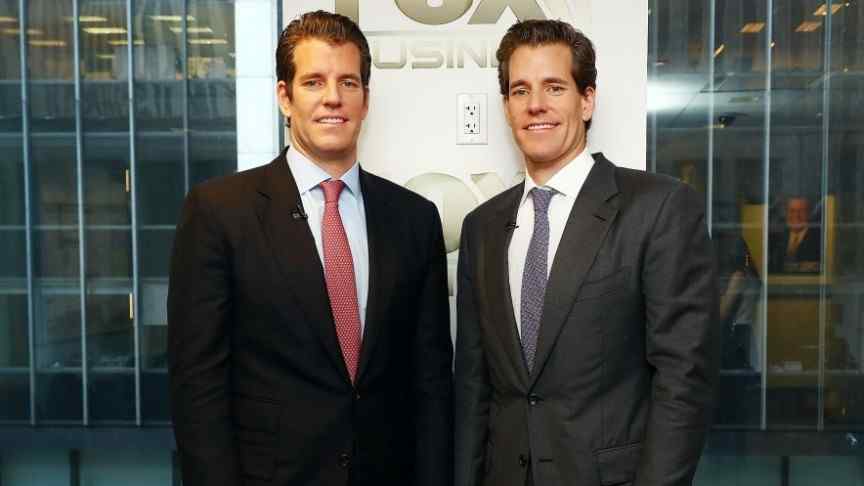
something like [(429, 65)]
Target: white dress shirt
[(565, 184), (308, 176)]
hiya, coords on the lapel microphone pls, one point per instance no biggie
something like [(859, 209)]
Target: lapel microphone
[(298, 212), (511, 225)]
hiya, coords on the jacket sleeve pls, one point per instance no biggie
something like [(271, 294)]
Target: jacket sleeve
[(679, 282), (433, 355), (199, 348), (472, 387)]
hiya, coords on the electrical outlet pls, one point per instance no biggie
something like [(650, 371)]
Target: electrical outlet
[(471, 114), (471, 128)]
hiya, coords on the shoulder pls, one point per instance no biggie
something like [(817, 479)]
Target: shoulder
[(646, 190), (647, 184), (403, 200), (230, 190), (500, 202)]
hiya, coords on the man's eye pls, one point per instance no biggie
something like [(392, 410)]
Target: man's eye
[(312, 83), (519, 92), (556, 89), (350, 83)]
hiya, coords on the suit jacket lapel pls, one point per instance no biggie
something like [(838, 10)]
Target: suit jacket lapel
[(296, 254), (382, 266), (589, 221), (499, 300)]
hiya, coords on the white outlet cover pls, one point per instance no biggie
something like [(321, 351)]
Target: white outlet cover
[(465, 117)]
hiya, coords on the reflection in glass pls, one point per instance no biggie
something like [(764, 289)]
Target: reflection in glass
[(56, 254), (15, 390), (785, 195), (111, 254), (51, 66), (212, 91), (161, 180), (53, 171), (161, 109), (59, 397), (11, 182), (110, 342), (154, 400), (211, 156), (14, 348), (159, 86), (185, 117), (844, 259), (112, 396), (107, 179), (58, 331), (13, 263)]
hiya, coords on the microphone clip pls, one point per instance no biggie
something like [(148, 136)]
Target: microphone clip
[(298, 213)]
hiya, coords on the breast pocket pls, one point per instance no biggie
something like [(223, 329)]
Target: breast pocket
[(603, 286)]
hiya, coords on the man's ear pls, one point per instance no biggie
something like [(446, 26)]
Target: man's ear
[(365, 102), (588, 103), (283, 98)]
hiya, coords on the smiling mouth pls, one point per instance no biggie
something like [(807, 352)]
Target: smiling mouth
[(332, 120), (537, 127)]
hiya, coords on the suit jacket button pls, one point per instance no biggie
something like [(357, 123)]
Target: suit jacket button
[(344, 460), (533, 399), (523, 460), (356, 395)]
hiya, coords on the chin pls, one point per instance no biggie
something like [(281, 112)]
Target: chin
[(541, 158)]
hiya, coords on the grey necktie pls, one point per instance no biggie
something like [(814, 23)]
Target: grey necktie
[(535, 275)]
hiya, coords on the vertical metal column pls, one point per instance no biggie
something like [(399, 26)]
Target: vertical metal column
[(28, 218), (823, 275), (766, 156), (652, 114), (82, 235), (184, 55), (280, 120), (709, 177), (133, 195)]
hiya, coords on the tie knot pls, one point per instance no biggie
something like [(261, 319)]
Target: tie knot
[(541, 197), (332, 188)]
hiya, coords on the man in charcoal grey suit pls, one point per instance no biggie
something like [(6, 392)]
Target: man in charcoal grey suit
[(586, 351)]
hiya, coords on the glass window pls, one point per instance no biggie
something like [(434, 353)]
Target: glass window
[(781, 168), (212, 95), (102, 214)]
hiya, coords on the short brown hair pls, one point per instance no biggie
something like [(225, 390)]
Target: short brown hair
[(330, 27), (541, 32)]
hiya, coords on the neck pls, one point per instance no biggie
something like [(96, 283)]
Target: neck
[(335, 166), (541, 172)]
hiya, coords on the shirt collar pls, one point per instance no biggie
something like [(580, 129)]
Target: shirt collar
[(568, 180), (309, 175)]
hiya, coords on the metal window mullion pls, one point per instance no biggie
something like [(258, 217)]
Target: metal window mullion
[(28, 218), (823, 275), (82, 241), (280, 119), (184, 55), (652, 114), (133, 195), (709, 177), (766, 155)]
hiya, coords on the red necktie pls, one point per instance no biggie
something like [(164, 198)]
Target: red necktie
[(339, 275)]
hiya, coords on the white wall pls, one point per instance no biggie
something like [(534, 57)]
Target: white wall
[(256, 35), (411, 127)]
